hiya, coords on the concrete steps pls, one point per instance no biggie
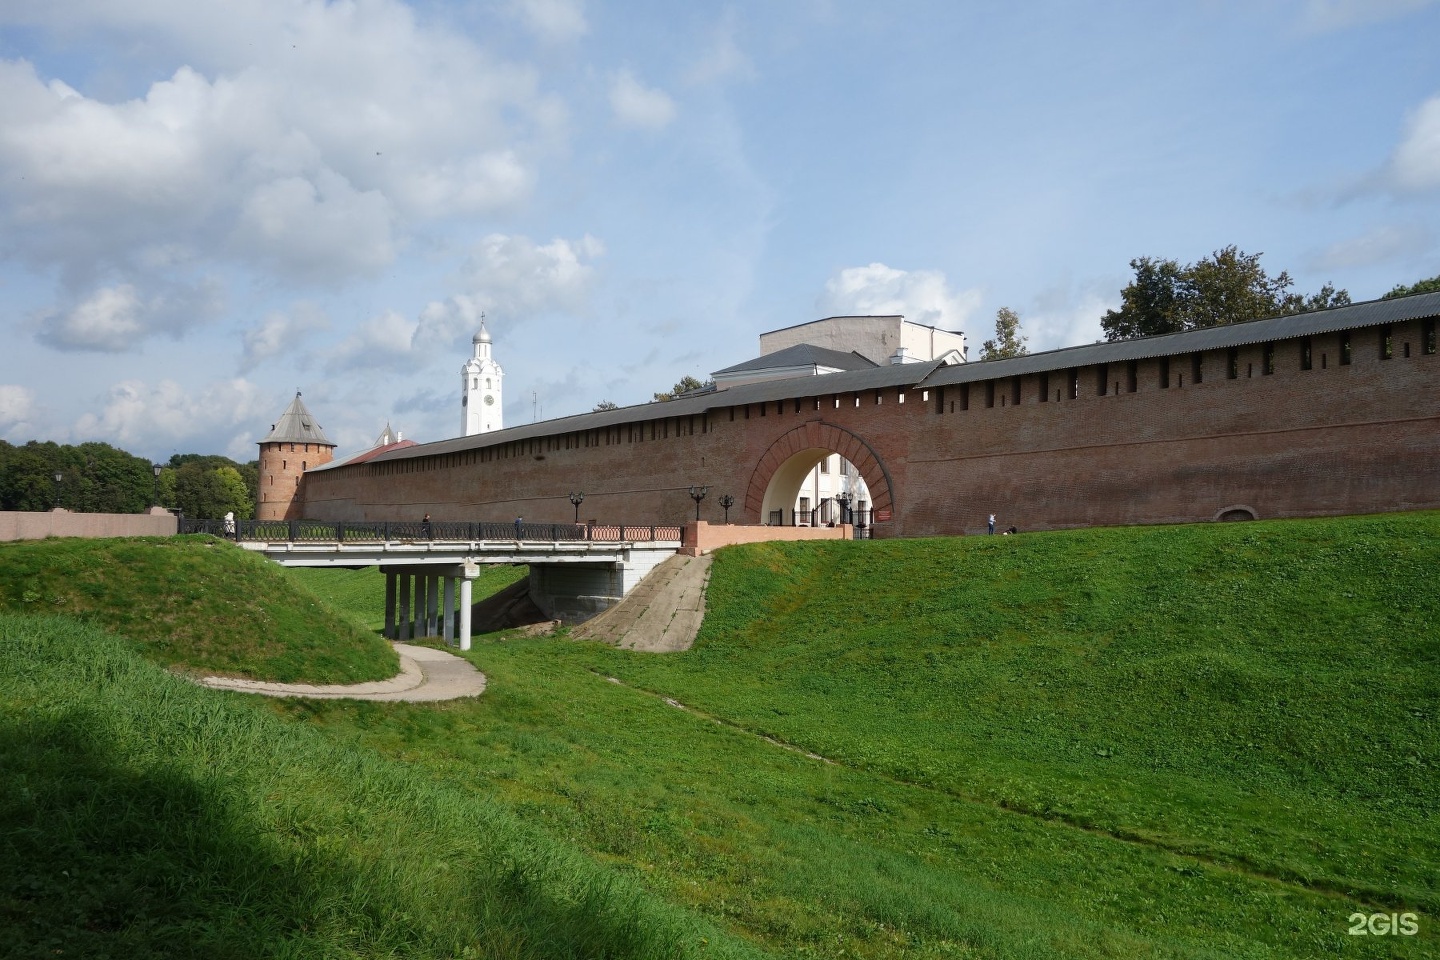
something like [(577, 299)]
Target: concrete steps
[(662, 614)]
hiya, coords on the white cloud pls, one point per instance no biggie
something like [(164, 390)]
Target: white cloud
[(17, 406), (921, 296), (724, 60), (1325, 15), (312, 137), (1379, 245), (118, 318), (382, 342), (136, 416), (555, 21), (636, 105), (279, 332), (1415, 165)]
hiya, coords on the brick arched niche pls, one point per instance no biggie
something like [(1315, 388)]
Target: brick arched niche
[(775, 482)]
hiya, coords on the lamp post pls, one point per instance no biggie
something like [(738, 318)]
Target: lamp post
[(697, 494), (575, 500), (58, 477), (155, 468), (727, 502), (844, 500)]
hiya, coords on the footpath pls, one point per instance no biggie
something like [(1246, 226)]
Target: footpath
[(425, 675), (661, 615)]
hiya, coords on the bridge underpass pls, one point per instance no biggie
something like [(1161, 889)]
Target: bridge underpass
[(576, 571)]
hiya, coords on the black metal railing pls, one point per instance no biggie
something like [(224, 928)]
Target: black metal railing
[(389, 531)]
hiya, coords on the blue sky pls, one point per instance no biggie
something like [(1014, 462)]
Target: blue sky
[(205, 206)]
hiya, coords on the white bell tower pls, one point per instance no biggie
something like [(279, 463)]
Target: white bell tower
[(480, 396)]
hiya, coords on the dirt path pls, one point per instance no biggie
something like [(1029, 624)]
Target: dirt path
[(425, 675), (661, 615)]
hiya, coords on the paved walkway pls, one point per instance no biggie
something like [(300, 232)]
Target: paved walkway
[(425, 675), (661, 615)]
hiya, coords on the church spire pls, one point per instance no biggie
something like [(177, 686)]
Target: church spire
[(480, 382)]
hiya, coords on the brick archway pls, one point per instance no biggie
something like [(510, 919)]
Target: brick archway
[(818, 435)]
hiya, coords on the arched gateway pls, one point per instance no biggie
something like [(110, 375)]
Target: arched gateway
[(776, 480)]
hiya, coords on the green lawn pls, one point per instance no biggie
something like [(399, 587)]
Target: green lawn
[(195, 602), (1216, 740)]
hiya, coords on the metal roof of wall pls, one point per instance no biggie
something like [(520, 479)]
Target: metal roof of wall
[(932, 373)]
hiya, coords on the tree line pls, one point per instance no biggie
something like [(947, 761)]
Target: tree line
[(1165, 296), (98, 478)]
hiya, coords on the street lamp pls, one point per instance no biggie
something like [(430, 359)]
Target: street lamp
[(575, 500), (844, 500), (727, 502), (155, 468), (58, 477), (697, 494)]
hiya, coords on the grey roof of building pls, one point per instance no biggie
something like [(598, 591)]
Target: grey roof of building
[(788, 388), (932, 373), (296, 425), (803, 355), (1370, 314)]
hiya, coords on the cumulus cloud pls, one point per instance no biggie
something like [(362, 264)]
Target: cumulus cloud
[(636, 105), (724, 60), (921, 296), (1375, 246), (137, 416), (312, 138), (1415, 165), (118, 318), (380, 343), (555, 21), (17, 406), (1325, 15), (279, 332)]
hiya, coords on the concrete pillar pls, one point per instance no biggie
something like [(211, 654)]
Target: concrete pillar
[(422, 587), (390, 606), (465, 613), (403, 630), (447, 611), (432, 607)]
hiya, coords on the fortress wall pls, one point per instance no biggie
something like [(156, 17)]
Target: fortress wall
[(1334, 440)]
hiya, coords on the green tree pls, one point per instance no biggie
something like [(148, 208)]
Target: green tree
[(686, 384), (1230, 286), (1008, 342), (1423, 286), (606, 405)]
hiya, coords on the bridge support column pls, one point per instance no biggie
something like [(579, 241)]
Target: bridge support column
[(447, 611), (389, 606), (403, 627), (432, 606), (465, 612), (422, 603)]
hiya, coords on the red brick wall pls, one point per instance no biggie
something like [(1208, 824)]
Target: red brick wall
[(281, 465), (1331, 440)]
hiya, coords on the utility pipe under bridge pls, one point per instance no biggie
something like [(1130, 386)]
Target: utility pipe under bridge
[(576, 570)]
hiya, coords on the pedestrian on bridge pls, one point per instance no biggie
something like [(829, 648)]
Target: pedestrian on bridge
[(518, 522), (425, 527)]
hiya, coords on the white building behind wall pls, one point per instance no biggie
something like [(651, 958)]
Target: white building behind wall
[(833, 345)]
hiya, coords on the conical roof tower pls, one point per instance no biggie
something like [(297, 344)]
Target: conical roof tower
[(294, 444)]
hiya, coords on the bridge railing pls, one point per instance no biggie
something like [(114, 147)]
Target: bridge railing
[(388, 531)]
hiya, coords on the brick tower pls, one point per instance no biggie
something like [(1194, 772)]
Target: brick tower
[(295, 444)]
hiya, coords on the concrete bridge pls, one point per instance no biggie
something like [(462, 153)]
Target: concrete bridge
[(576, 570)]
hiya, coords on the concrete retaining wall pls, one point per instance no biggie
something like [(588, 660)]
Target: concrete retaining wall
[(700, 537), (62, 523)]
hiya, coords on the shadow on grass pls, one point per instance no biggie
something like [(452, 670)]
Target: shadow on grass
[(101, 860)]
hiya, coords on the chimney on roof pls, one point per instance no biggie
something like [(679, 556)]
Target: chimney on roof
[(901, 355)]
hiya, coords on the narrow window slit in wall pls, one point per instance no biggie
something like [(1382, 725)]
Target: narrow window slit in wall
[(1267, 356), (1045, 388), (1345, 349), (964, 397), (1197, 368), (1014, 391), (1074, 384), (1232, 363), (989, 393), (1102, 380), (1387, 345), (1132, 376), (1164, 373), (1427, 337), (1307, 356)]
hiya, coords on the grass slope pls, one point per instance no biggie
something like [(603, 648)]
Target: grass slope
[(1209, 741), (142, 817), (195, 602)]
